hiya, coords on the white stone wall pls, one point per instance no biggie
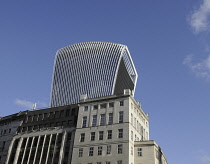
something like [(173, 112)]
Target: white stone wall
[(150, 154), (114, 142), (135, 133)]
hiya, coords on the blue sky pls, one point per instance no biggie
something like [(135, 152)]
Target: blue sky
[(169, 42)]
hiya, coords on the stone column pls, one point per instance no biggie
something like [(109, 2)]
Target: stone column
[(48, 151), (71, 145), (55, 147), (18, 151), (62, 149), (9, 151), (42, 149), (30, 150), (36, 150)]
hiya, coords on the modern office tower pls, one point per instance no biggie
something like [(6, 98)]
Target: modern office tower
[(8, 128), (46, 136), (96, 69)]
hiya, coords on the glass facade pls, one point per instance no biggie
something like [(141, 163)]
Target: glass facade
[(92, 68)]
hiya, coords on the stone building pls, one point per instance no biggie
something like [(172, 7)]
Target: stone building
[(104, 130), (46, 136), (107, 130), (8, 128)]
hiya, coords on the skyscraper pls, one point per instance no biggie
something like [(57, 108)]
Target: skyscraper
[(93, 68)]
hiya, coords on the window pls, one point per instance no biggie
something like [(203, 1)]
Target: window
[(100, 150), (108, 151), (91, 149), (45, 115), (109, 134), (101, 135), (29, 118), (139, 152), (67, 112), (29, 128), (131, 150), (92, 137), (94, 120), (82, 137), (137, 125), (103, 106), (139, 130), (63, 123), (86, 108), (95, 107), (98, 162), (58, 124), (73, 111), (120, 133), (9, 130), (80, 152), (69, 136), (84, 122), (34, 118), (111, 105), (110, 118), (102, 121), (57, 115), (120, 149), (119, 162), (121, 103), (121, 117), (3, 145), (23, 129), (134, 122), (107, 162), (62, 114), (131, 118), (51, 115)]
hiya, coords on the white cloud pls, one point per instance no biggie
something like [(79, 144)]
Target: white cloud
[(205, 159), (24, 103), (199, 20), (29, 104), (200, 69)]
